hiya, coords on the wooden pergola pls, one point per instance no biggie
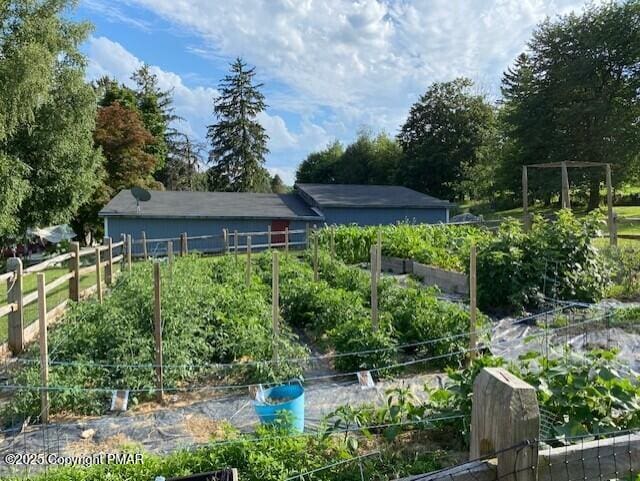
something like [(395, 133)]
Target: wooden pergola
[(566, 201)]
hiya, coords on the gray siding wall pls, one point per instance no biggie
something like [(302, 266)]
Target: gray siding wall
[(376, 216), (166, 228)]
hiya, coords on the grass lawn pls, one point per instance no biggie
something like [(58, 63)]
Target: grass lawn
[(53, 298)]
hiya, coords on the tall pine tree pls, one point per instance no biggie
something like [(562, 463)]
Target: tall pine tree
[(239, 142)]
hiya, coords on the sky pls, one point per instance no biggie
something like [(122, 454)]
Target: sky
[(330, 68)]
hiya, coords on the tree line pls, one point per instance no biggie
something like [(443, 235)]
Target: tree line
[(68, 146), (573, 95)]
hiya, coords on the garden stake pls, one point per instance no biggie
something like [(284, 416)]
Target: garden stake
[(472, 304), (145, 253), (98, 276), (248, 274), (374, 290), (275, 302), (235, 245), (44, 352), (157, 329)]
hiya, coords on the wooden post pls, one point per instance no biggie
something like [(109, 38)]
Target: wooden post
[(316, 275), (504, 418), (235, 245), (129, 248), (145, 252), (379, 254), (14, 295), (248, 272), (44, 354), (98, 276), (170, 256), (108, 270), (186, 244), (374, 289), (286, 240), (613, 238), (308, 234), (225, 239), (157, 329), (566, 203), (473, 340), (333, 242), (269, 237), (526, 221), (123, 252), (74, 266), (275, 303)]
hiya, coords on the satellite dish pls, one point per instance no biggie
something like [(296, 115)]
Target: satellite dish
[(141, 195)]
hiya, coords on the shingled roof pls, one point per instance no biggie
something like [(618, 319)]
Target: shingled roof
[(382, 196), (211, 205)]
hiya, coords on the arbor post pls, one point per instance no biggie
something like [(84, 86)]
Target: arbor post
[(505, 421), (14, 296)]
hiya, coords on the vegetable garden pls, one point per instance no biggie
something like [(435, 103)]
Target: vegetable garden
[(218, 337)]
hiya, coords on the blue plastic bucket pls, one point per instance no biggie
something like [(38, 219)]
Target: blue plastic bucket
[(294, 395)]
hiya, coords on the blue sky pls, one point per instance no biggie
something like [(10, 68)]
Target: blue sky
[(329, 67)]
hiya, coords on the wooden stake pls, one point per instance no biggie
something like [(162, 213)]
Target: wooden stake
[(316, 275), (248, 273), (379, 254), (526, 222), (374, 290), (235, 245), (566, 203), (123, 252), (186, 244), (145, 253), (225, 239), (14, 296), (286, 240), (269, 237), (108, 270), (275, 302), (473, 341), (44, 353), (613, 238), (98, 276), (129, 248), (157, 330), (308, 238), (74, 266), (170, 256)]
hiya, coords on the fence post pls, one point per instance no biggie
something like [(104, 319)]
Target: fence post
[(186, 244), (14, 295), (613, 238), (269, 237), (374, 289), (181, 245), (44, 354), (74, 266), (170, 256), (129, 248), (316, 275), (108, 270), (157, 329), (123, 252), (379, 254), (98, 276), (235, 245), (225, 239), (505, 415), (145, 252), (248, 273), (275, 302), (286, 241), (472, 303), (308, 237), (566, 202)]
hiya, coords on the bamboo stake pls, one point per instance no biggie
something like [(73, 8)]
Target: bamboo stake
[(473, 341), (275, 302), (157, 330), (44, 352), (374, 290), (248, 273), (98, 276)]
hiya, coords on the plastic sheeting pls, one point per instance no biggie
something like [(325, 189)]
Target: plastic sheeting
[(53, 234)]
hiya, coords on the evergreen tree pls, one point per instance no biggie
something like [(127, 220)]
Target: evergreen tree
[(239, 142)]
